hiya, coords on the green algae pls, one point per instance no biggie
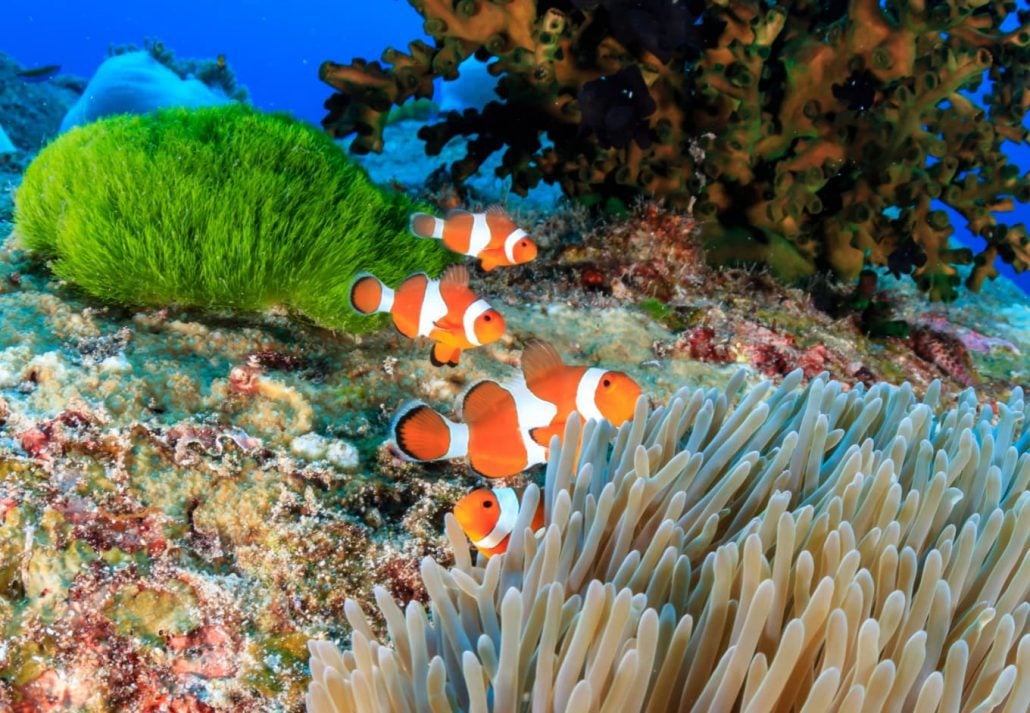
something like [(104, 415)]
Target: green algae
[(154, 613), (222, 207)]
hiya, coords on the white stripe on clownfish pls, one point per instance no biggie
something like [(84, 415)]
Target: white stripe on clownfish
[(532, 412), (385, 297), (472, 313), (511, 241), (480, 236), (459, 440), (433, 308), (586, 402), (508, 512)]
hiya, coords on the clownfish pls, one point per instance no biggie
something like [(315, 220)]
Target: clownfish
[(505, 429), (444, 310), (491, 237), (593, 392), (488, 515), (493, 432)]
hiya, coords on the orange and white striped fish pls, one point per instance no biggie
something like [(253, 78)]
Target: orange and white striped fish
[(493, 432), (491, 237), (505, 429), (593, 392), (445, 310), (488, 516)]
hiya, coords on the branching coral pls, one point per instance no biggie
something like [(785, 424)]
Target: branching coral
[(806, 549), (831, 126), (222, 207)]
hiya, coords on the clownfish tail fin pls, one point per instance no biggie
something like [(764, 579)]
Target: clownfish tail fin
[(423, 434), (369, 295), (426, 226)]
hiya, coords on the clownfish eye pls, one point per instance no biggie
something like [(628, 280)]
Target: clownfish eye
[(522, 244), (606, 383), (486, 318), (488, 504)]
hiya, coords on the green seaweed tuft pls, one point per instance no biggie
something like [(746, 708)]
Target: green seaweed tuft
[(223, 207)]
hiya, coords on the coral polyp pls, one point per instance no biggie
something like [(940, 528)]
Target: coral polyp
[(806, 136)]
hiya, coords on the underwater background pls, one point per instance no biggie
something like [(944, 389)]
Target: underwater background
[(669, 381)]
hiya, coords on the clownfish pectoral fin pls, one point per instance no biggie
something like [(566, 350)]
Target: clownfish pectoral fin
[(449, 324), (539, 360), (443, 355), (544, 434), (489, 262)]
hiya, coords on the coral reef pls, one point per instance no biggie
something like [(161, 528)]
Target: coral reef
[(222, 208), (792, 548), (810, 134), (208, 458)]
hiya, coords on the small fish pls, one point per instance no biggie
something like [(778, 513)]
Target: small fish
[(593, 392), (505, 429), (444, 310), (488, 515), (39, 74), (491, 237), (493, 432)]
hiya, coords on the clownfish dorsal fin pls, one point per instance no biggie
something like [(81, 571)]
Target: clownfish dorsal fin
[(539, 359), (482, 401), (498, 210), (456, 212), (455, 276)]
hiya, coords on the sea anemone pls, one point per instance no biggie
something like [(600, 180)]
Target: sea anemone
[(808, 549)]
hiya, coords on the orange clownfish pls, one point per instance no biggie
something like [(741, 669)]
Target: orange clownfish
[(488, 515), (493, 433), (593, 392), (491, 237), (444, 310), (506, 429)]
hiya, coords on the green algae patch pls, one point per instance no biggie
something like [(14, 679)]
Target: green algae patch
[(216, 208), (154, 614)]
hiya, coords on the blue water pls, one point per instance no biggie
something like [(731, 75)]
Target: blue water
[(274, 47)]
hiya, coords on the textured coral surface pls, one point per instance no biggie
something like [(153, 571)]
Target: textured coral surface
[(810, 133), (186, 499)]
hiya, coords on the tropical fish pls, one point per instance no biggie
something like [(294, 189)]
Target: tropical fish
[(593, 392), (444, 310), (491, 237), (488, 515), (504, 429), (38, 74), (493, 432)]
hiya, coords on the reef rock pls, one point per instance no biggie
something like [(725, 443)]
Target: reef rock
[(136, 83)]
